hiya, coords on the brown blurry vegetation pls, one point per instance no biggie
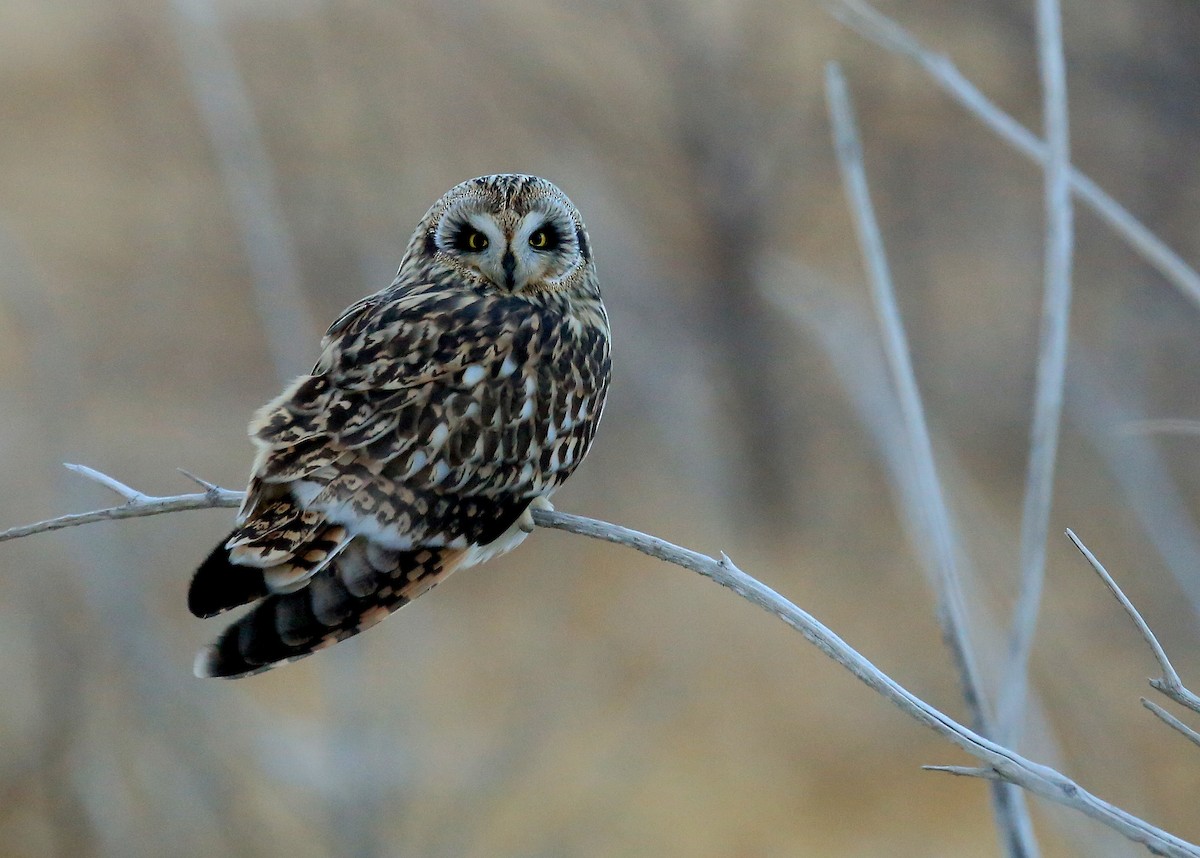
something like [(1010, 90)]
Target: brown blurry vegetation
[(571, 699)]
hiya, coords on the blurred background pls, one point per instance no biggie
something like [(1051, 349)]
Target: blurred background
[(190, 190)]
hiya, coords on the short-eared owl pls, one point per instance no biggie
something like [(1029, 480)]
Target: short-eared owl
[(442, 411)]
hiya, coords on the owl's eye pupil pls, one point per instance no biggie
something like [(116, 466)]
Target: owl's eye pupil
[(469, 238), (545, 238)]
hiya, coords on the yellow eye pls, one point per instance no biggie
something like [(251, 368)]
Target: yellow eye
[(469, 238), (545, 238)]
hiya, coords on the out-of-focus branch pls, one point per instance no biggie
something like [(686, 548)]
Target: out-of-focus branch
[(888, 34), (1012, 816), (1162, 426), (1169, 683), (244, 166), (1051, 373), (998, 762), (1172, 722)]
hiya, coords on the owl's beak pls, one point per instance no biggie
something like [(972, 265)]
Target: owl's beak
[(509, 264)]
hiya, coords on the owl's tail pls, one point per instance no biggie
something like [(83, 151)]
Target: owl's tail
[(349, 594)]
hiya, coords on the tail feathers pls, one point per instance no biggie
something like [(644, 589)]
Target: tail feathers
[(239, 571), (353, 592), (219, 585)]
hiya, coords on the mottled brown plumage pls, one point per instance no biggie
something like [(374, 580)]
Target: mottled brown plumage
[(440, 410)]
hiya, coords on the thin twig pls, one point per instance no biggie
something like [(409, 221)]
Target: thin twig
[(137, 505), (1161, 426), (105, 480), (1008, 765), (966, 772), (1172, 722), (1170, 684), (1012, 816), (1051, 374), (1137, 465), (888, 34)]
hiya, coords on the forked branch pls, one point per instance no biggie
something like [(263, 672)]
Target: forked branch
[(1169, 684)]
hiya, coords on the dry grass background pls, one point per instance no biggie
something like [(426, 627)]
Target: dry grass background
[(573, 699)]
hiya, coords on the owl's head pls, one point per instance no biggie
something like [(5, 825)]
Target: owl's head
[(517, 234)]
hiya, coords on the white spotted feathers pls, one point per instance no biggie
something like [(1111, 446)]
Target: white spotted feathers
[(440, 410)]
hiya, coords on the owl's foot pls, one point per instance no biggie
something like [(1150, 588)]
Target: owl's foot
[(525, 522)]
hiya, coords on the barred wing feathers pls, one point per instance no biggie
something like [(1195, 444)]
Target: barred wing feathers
[(427, 427)]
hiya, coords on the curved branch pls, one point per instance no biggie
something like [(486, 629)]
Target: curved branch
[(998, 762)]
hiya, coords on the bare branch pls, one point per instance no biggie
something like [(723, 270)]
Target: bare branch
[(1012, 816), (1161, 426), (1007, 764), (105, 480), (138, 505), (1171, 721), (966, 772), (888, 34), (1170, 684), (936, 528), (1051, 373)]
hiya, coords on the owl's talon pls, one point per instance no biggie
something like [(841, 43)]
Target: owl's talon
[(525, 522)]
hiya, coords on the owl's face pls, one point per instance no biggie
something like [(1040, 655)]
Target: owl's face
[(516, 234)]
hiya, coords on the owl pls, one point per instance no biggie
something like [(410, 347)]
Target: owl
[(442, 412)]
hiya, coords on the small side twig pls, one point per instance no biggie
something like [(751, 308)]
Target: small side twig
[(1169, 684), (137, 505), (967, 772), (1172, 722), (130, 494)]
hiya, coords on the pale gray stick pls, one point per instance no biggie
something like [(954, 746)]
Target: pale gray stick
[(883, 31), (938, 529), (1161, 426), (821, 309), (997, 760), (1011, 813), (1153, 495), (137, 505), (1051, 375), (227, 115), (1172, 722), (1169, 684)]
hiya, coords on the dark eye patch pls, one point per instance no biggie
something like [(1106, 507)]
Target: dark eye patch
[(546, 237), (469, 240)]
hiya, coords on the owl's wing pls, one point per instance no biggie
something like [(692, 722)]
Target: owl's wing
[(445, 394), (422, 426), (424, 432)]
